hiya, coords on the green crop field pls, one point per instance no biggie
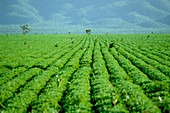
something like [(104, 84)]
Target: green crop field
[(85, 73)]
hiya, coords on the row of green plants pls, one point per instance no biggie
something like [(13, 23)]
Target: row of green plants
[(75, 62), (77, 98), (154, 86), (87, 58), (130, 94), (13, 47), (156, 42), (156, 53), (157, 91), (9, 88), (88, 75), (18, 63), (51, 97), (152, 72), (162, 59), (22, 100), (157, 45), (104, 95), (25, 87), (133, 72), (63, 60), (59, 48), (16, 56), (57, 56), (33, 62), (7, 76), (3, 70), (163, 68)]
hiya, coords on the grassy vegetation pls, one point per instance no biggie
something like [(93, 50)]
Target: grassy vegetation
[(85, 73)]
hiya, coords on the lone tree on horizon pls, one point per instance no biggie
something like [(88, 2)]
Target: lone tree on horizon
[(25, 29), (88, 31)]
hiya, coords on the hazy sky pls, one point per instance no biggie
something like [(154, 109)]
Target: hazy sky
[(111, 14)]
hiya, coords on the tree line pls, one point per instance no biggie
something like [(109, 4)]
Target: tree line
[(26, 29)]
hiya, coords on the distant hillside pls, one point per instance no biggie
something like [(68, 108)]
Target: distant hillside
[(116, 14), (165, 20)]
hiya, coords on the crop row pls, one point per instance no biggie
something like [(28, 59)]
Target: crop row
[(131, 95), (26, 46), (51, 96), (11, 74), (134, 73), (20, 59), (31, 62), (145, 50), (78, 97), (21, 101), (87, 75), (141, 45), (104, 94), (37, 82), (157, 91), (156, 66), (87, 58), (149, 58), (152, 72), (7, 76), (8, 89), (48, 100), (54, 60), (60, 62)]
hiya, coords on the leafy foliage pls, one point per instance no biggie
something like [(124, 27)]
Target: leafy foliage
[(25, 29), (87, 76)]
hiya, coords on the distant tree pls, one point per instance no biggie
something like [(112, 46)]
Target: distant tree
[(25, 29), (69, 33), (88, 31)]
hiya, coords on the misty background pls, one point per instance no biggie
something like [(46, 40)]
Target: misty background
[(75, 16)]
